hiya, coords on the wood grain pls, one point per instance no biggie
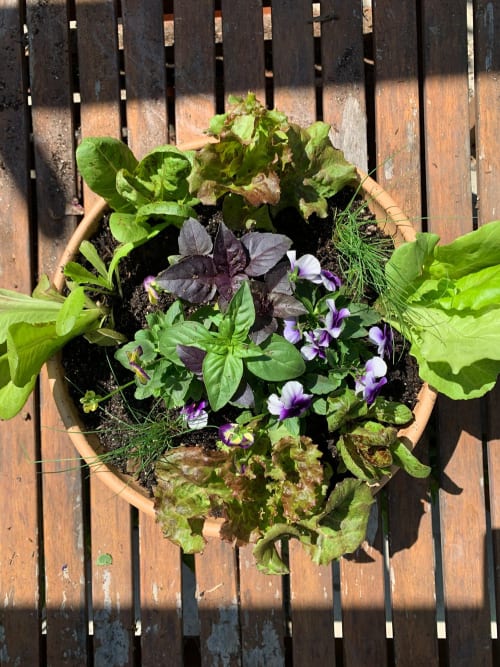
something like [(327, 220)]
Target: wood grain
[(217, 595), (446, 118), (160, 596), (98, 62), (145, 75), (19, 524), (449, 203), (412, 578), (397, 104), (53, 132), (363, 602), (311, 601), (487, 139), (343, 78), (486, 118), (294, 79), (261, 614), (194, 68), (243, 40)]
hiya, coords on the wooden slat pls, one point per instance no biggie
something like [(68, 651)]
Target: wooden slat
[(261, 614), (487, 120), (98, 64), (145, 74), (446, 106), (110, 522), (343, 77), (160, 598), (243, 39), (53, 134), (217, 594), (311, 599), (493, 450), (363, 604), (463, 532), (19, 538), (397, 132), (487, 133), (194, 68), (147, 127), (397, 112), (112, 584), (412, 576), (450, 213), (293, 60)]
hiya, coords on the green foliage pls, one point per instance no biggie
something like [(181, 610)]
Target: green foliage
[(278, 491), (265, 160), (145, 196), (448, 307), (228, 354), (34, 328)]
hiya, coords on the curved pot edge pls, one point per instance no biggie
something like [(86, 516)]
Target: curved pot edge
[(389, 216)]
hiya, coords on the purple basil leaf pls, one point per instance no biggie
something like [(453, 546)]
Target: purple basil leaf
[(284, 305), (194, 239), (243, 397), (277, 279), (192, 358), (191, 279), (262, 328), (265, 251), (229, 254)]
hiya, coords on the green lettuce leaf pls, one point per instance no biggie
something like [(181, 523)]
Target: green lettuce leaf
[(446, 302)]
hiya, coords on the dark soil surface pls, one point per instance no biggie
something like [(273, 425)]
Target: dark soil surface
[(90, 367)]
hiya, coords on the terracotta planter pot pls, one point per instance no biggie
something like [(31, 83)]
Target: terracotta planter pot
[(389, 217)]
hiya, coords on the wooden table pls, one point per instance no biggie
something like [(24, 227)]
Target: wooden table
[(396, 88)]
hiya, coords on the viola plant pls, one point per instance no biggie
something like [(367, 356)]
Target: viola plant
[(275, 358)]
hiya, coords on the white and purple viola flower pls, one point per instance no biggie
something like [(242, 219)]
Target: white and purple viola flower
[(292, 403), (307, 267), (334, 320), (369, 384), (291, 330), (195, 415), (316, 343), (383, 339), (330, 280)]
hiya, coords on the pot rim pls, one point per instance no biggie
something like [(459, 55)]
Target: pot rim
[(389, 217)]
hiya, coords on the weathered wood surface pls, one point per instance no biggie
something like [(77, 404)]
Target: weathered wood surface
[(83, 579)]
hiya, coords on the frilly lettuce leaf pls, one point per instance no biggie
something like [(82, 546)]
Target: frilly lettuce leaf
[(446, 302), (264, 159), (338, 530)]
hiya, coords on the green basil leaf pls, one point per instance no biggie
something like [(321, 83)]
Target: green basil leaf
[(222, 375)]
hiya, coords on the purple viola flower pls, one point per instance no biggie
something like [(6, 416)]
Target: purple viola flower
[(383, 338), (334, 320), (195, 415), (316, 342), (149, 285), (373, 380), (134, 359), (306, 267), (330, 280), (291, 330), (293, 401), (235, 435)]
